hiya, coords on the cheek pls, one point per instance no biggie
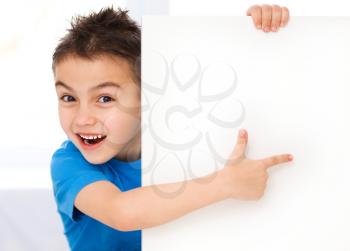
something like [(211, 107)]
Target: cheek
[(122, 127), (65, 119), (131, 99)]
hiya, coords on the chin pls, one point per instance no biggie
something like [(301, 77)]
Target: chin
[(96, 161)]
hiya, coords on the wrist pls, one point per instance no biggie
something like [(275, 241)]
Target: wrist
[(222, 180)]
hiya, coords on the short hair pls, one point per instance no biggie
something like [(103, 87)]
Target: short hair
[(107, 32)]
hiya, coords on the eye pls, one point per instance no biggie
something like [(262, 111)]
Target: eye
[(67, 98), (105, 99)]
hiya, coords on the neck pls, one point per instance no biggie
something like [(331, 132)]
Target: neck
[(132, 151)]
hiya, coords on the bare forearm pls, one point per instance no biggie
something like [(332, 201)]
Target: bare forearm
[(157, 204)]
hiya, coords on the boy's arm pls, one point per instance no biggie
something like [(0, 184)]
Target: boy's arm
[(140, 208), (144, 207)]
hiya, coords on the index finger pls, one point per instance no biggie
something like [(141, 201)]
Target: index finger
[(277, 159), (255, 13)]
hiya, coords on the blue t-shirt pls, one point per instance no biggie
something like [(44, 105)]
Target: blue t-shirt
[(70, 172)]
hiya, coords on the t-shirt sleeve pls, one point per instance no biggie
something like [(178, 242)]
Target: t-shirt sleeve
[(70, 172)]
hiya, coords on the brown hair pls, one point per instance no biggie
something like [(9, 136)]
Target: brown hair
[(107, 32)]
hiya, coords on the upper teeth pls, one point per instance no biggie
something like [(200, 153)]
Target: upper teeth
[(91, 137)]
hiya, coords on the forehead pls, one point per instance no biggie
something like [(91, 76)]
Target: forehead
[(82, 72)]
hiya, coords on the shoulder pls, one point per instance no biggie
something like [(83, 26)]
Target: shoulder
[(67, 160), (66, 149), (70, 173), (66, 153)]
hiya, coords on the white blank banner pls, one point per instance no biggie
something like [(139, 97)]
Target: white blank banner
[(206, 77)]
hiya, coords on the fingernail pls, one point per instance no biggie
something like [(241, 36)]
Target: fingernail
[(258, 26), (290, 157), (273, 28), (242, 133)]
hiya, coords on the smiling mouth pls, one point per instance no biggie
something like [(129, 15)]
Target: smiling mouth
[(91, 140)]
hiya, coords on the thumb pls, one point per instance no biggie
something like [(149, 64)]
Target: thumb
[(241, 144)]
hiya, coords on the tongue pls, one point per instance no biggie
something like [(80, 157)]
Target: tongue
[(92, 141)]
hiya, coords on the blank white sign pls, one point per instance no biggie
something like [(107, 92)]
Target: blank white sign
[(206, 77)]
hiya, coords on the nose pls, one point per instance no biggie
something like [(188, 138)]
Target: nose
[(85, 117)]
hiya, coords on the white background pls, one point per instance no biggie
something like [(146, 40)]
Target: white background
[(29, 122), (294, 86)]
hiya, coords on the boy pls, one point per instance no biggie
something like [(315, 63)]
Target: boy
[(96, 173)]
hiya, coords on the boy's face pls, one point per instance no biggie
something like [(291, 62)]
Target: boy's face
[(99, 105)]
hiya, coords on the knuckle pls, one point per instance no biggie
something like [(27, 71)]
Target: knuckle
[(256, 167), (259, 195), (261, 165), (269, 9), (281, 159), (264, 176), (261, 172), (265, 163), (274, 160), (254, 11), (276, 7), (285, 9), (255, 7)]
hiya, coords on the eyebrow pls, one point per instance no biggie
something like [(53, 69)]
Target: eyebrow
[(99, 86)]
